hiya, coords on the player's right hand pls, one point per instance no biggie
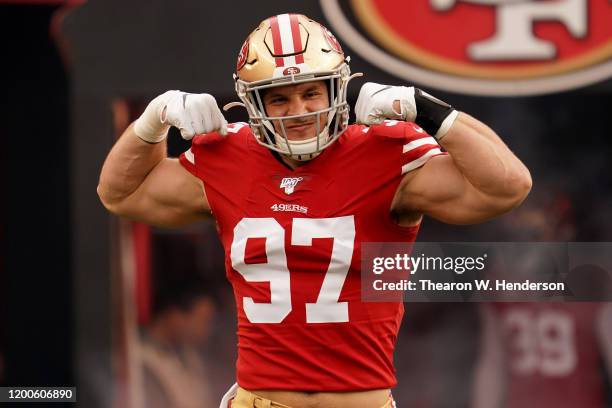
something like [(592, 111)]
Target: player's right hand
[(192, 114)]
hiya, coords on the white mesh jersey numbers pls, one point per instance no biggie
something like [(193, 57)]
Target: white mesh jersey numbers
[(327, 308), (544, 342)]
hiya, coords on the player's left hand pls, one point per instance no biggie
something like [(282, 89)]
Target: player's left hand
[(376, 103)]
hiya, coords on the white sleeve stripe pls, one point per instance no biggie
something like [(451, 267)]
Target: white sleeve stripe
[(420, 161), (189, 156), (419, 142)]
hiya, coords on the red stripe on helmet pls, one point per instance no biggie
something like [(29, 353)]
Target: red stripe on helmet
[(297, 38), (276, 40)]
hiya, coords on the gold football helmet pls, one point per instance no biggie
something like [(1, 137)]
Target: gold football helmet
[(291, 49)]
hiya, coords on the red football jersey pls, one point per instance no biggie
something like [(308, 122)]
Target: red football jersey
[(553, 354), (292, 241)]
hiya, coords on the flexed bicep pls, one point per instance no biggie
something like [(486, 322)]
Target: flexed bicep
[(170, 196), (440, 190)]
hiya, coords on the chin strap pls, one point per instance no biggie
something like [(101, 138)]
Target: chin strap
[(297, 146)]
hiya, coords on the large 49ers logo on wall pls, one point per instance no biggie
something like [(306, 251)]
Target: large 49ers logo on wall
[(490, 47)]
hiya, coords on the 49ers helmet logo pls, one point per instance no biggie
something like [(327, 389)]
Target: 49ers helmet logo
[(242, 55), (485, 47), (331, 39), (291, 71)]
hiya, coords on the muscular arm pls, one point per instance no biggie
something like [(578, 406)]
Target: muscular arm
[(480, 179), (138, 181)]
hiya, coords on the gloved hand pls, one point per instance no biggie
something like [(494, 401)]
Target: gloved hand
[(192, 114), (376, 103)]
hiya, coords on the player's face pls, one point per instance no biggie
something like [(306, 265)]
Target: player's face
[(296, 100)]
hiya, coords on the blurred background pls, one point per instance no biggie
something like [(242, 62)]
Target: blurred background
[(135, 316)]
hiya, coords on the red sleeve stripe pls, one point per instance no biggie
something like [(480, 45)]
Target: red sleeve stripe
[(419, 142), (420, 161), (276, 40)]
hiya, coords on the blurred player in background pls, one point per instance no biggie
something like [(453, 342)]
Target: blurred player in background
[(547, 354), (174, 374), (296, 191)]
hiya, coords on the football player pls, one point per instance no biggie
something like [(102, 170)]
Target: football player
[(296, 191), (548, 354)]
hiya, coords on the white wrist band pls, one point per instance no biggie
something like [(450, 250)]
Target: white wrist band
[(446, 125)]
